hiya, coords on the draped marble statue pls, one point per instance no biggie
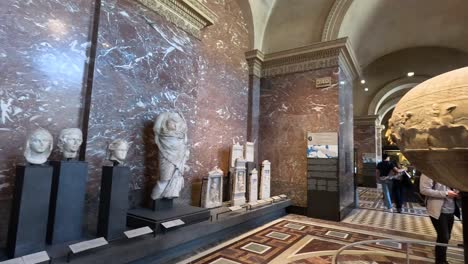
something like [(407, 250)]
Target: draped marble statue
[(117, 151), (170, 132), (38, 146), (69, 142)]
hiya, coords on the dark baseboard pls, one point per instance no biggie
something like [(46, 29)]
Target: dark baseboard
[(296, 210), (345, 212)]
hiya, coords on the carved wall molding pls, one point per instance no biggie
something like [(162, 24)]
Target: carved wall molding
[(369, 120), (320, 55), (255, 60), (190, 15), (334, 19)]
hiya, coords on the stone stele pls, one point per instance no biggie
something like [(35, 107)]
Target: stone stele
[(430, 126), (212, 195)]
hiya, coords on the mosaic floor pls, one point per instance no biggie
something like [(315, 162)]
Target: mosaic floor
[(299, 240), (371, 198), (420, 225)]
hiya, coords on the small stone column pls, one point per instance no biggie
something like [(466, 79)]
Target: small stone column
[(253, 186), (265, 180)]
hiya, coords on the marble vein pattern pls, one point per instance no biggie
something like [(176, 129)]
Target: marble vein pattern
[(291, 106), (145, 66), (346, 141), (43, 52)]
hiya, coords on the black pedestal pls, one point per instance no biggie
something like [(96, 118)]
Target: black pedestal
[(67, 201), (162, 204), (28, 221), (141, 217), (322, 189), (113, 204)]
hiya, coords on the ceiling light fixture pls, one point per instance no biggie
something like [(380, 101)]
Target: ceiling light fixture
[(363, 81), (342, 82), (366, 89), (410, 74)]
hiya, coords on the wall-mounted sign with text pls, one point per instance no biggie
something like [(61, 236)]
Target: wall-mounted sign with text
[(322, 145), (323, 82)]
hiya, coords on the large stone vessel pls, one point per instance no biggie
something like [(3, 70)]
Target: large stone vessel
[(430, 126)]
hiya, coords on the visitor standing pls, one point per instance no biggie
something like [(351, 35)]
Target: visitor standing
[(442, 205), (384, 172)]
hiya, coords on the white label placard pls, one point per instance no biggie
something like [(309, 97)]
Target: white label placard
[(235, 208), (85, 245), (36, 258), (13, 261), (138, 232), (261, 201), (283, 196), (269, 200), (173, 223)]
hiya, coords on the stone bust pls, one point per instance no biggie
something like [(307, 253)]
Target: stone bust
[(69, 142), (118, 151), (38, 146)]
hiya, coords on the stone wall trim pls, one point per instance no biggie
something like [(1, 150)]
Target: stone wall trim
[(190, 15)]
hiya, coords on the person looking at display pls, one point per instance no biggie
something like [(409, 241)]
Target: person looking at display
[(384, 171)]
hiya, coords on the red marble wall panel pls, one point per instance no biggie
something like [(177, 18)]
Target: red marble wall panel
[(43, 45), (145, 66), (291, 106), (364, 142)]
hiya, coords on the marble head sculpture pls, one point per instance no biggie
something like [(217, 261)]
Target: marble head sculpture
[(430, 126), (69, 142), (170, 131), (38, 146), (118, 150)]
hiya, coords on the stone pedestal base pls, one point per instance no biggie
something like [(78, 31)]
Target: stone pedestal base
[(163, 204), (141, 217), (28, 221)]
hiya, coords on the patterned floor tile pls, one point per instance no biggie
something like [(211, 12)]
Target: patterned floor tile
[(256, 248), (278, 235), (224, 261)]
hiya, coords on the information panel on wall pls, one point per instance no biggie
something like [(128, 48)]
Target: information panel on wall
[(322, 145)]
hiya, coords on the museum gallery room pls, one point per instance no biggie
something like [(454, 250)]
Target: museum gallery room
[(233, 131)]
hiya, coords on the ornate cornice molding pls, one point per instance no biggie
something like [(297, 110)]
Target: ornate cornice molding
[(320, 55), (190, 15), (334, 19), (366, 120), (255, 60)]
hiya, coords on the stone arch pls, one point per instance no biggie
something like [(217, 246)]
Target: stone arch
[(390, 89), (334, 19)]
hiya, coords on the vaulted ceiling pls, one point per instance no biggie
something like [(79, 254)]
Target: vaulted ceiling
[(375, 27)]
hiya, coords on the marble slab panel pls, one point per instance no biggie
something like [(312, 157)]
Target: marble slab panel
[(290, 106)]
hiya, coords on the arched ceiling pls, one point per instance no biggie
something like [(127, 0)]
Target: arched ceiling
[(295, 23), (377, 28)]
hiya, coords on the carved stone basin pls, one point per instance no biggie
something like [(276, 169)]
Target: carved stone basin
[(430, 126)]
